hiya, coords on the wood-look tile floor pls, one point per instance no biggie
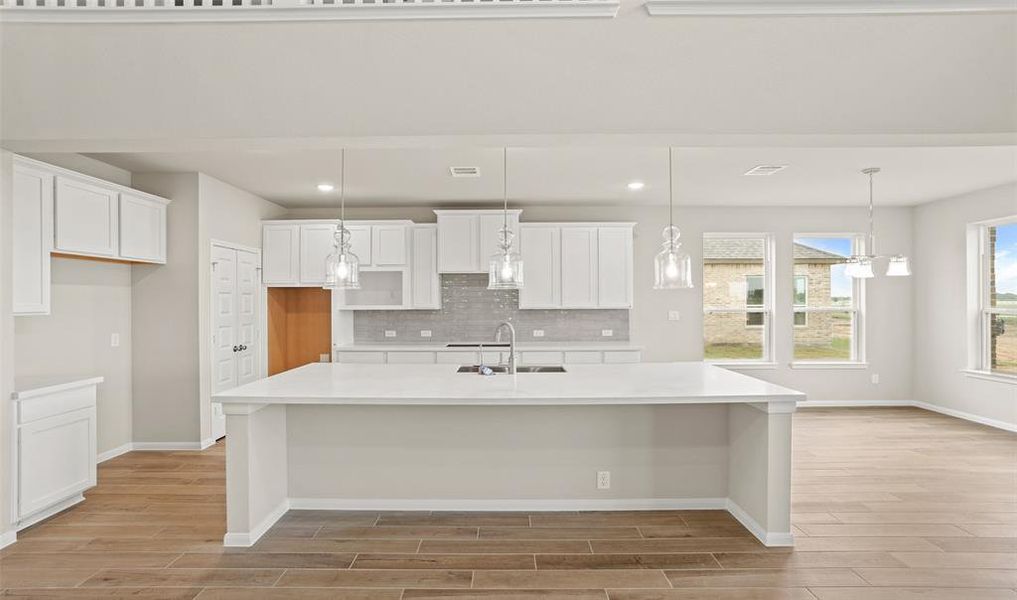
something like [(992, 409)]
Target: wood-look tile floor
[(888, 504)]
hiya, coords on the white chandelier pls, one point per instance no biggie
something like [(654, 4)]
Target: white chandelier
[(861, 266)]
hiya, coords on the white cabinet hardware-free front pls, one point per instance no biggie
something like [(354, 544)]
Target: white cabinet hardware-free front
[(468, 238)]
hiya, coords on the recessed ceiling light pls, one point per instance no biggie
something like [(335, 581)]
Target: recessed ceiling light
[(636, 185), (325, 187), (765, 169)]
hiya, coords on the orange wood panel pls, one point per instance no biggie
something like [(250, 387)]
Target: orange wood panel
[(299, 327)]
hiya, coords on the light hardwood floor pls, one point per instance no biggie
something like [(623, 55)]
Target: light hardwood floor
[(888, 503)]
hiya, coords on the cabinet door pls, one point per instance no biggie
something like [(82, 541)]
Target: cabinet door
[(490, 226), (541, 252), (316, 243), (388, 245), (360, 243), (579, 267), (86, 218), (614, 264), (424, 279), (56, 459), (280, 252), (142, 229), (32, 240), (457, 244)]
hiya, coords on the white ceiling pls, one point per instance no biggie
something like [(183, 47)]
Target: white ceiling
[(597, 175)]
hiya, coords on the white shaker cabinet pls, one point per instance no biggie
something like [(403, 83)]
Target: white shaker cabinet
[(614, 267), (468, 238), (541, 252), (280, 248), (579, 274), (316, 243), (142, 228), (32, 239), (388, 245), (424, 278), (86, 218), (360, 243)]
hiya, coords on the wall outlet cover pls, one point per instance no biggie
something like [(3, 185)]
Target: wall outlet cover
[(324, 358), (603, 480), (607, 332), (673, 315), (875, 378), (390, 333), (538, 333), (425, 333)]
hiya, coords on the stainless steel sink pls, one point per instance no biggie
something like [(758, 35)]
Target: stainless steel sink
[(527, 369)]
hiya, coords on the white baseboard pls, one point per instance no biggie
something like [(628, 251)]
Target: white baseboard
[(167, 446), (966, 416), (246, 540), (524, 504), (207, 443), (48, 512), (7, 538), (768, 538), (113, 452)]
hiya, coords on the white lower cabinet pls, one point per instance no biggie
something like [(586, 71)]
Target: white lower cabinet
[(623, 356), (540, 357), (365, 358), (410, 358), (490, 357), (583, 357), (56, 448)]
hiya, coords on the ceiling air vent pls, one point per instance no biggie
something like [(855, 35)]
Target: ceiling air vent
[(464, 171), (765, 169)]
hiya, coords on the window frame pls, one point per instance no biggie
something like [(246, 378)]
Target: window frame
[(766, 309), (984, 311), (794, 305), (858, 346), (754, 306)]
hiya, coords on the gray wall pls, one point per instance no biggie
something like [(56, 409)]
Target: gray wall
[(889, 299), (469, 312), (941, 321), (90, 301)]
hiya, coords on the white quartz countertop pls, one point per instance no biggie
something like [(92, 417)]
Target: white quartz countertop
[(30, 387), (639, 383), (520, 347)]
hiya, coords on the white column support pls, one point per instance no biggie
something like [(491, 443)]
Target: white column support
[(759, 470), (256, 471)]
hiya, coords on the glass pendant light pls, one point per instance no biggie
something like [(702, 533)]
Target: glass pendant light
[(342, 267), (672, 268), (861, 266), (505, 269)]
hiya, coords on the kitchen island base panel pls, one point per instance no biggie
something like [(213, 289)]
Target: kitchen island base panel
[(732, 456)]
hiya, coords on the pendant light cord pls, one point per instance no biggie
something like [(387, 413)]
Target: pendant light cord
[(872, 242), (504, 188), (342, 194), (670, 194)]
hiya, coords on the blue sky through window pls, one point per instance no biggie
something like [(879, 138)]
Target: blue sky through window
[(1006, 259), (840, 283)]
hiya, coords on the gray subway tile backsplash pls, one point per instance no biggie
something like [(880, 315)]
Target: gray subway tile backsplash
[(470, 312)]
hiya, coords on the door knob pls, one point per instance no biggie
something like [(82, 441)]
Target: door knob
[(236, 348), (243, 347)]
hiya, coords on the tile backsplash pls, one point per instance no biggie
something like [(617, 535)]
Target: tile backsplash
[(470, 312)]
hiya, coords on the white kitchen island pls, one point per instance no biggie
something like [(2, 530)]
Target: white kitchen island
[(423, 437)]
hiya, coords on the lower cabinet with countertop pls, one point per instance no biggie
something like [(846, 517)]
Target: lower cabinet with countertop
[(55, 444), (526, 354)]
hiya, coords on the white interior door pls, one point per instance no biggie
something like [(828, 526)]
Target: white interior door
[(247, 317), (226, 338)]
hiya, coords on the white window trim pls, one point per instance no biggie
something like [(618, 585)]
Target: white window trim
[(769, 251), (858, 346), (979, 359), (752, 308), (795, 307)]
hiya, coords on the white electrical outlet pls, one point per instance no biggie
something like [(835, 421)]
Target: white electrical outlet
[(607, 332), (114, 339), (390, 333), (425, 333), (538, 333), (875, 378), (673, 315), (324, 358), (603, 480)]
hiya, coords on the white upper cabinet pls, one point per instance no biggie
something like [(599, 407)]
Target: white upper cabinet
[(32, 239), (577, 265), (425, 281), (316, 243), (86, 218), (360, 242), (280, 254), (142, 228), (468, 238), (614, 267), (541, 251), (388, 245)]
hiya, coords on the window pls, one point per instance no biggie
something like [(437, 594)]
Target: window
[(998, 298), (736, 297), (827, 302)]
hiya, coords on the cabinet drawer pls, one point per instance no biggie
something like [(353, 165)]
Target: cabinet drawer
[(457, 358), (407, 358), (623, 356), (581, 357), (374, 358), (58, 403), (540, 357)]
